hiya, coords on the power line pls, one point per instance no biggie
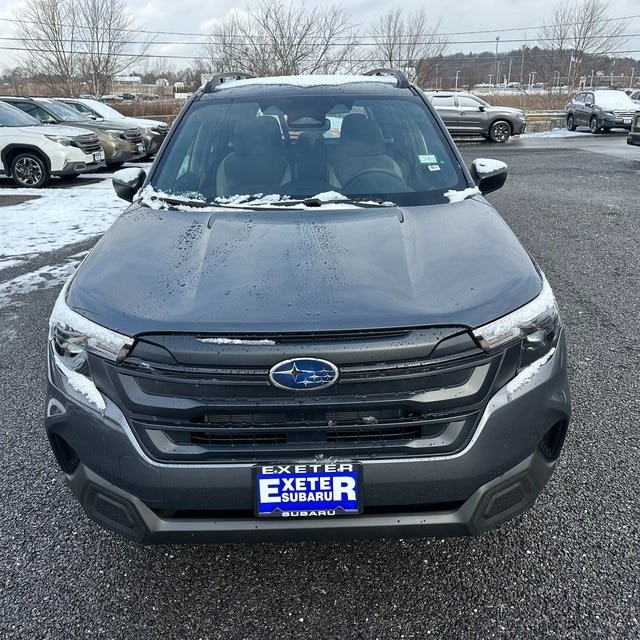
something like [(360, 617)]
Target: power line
[(346, 37)]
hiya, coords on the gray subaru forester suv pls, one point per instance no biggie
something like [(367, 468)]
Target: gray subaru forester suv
[(308, 324)]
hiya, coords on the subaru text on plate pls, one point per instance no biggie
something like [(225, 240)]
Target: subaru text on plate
[(308, 324)]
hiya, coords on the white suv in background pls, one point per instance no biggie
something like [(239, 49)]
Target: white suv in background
[(31, 152)]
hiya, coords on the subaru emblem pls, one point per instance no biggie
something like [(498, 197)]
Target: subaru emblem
[(303, 374)]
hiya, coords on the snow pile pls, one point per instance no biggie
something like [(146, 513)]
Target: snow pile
[(485, 166), (459, 196)]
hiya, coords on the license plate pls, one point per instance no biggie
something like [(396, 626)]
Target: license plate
[(307, 490), (140, 148), (626, 121), (98, 157)]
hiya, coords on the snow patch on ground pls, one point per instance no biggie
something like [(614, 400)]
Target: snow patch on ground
[(44, 278), (59, 217), (556, 133)]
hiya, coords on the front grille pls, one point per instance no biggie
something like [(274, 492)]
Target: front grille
[(89, 143), (424, 398), (623, 113), (134, 136), (162, 129)]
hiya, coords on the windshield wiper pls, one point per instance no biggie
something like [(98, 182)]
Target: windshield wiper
[(318, 202)]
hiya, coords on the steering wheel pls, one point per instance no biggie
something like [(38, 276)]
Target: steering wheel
[(372, 171)]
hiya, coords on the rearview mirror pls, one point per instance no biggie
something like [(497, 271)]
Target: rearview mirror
[(127, 182), (489, 175)]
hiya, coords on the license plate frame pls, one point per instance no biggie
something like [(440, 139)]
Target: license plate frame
[(330, 489), (98, 156)]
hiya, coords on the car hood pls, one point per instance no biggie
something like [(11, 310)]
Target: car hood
[(54, 130), (120, 125), (303, 270), (141, 123), (517, 113)]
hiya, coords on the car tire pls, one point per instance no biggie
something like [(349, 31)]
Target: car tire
[(29, 170), (571, 123), (593, 125), (500, 131)]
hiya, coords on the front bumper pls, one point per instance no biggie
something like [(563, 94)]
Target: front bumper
[(634, 138), (495, 477), (76, 168)]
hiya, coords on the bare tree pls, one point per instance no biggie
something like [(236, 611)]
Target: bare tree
[(47, 29), (408, 42), (577, 33), (17, 78), (281, 38), (71, 43)]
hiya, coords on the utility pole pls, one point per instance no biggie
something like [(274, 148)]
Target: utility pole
[(509, 75), (457, 76), (497, 64)]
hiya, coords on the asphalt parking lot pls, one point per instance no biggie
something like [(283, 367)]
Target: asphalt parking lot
[(569, 568)]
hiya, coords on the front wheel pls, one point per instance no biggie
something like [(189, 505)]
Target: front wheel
[(500, 131), (593, 125), (29, 170), (571, 123)]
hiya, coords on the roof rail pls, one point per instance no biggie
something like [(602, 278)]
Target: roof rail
[(403, 83), (221, 78)]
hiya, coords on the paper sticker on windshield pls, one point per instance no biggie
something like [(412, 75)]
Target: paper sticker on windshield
[(428, 159), (433, 167)]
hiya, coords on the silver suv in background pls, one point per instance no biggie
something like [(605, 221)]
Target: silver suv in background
[(601, 110), (466, 114)]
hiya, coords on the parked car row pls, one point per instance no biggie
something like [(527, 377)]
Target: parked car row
[(599, 110), (30, 126)]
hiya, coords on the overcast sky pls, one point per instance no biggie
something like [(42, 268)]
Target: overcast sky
[(464, 15)]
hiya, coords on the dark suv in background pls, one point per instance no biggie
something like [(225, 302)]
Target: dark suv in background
[(330, 333), (601, 110), (466, 114)]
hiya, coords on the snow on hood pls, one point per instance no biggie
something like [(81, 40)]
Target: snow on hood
[(55, 130)]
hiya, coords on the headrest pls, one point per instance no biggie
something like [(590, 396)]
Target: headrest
[(361, 135), (258, 137)]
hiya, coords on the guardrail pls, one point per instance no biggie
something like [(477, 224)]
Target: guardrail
[(554, 118)]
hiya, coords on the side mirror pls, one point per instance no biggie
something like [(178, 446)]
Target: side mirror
[(489, 175), (588, 104), (481, 107), (127, 182)]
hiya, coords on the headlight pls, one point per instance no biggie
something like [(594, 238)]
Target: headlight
[(67, 142), (72, 338), (536, 325)]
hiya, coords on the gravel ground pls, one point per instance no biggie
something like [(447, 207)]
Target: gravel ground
[(569, 568)]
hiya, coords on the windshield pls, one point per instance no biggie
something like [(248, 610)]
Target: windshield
[(300, 146), (63, 112), (614, 100), (14, 117)]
